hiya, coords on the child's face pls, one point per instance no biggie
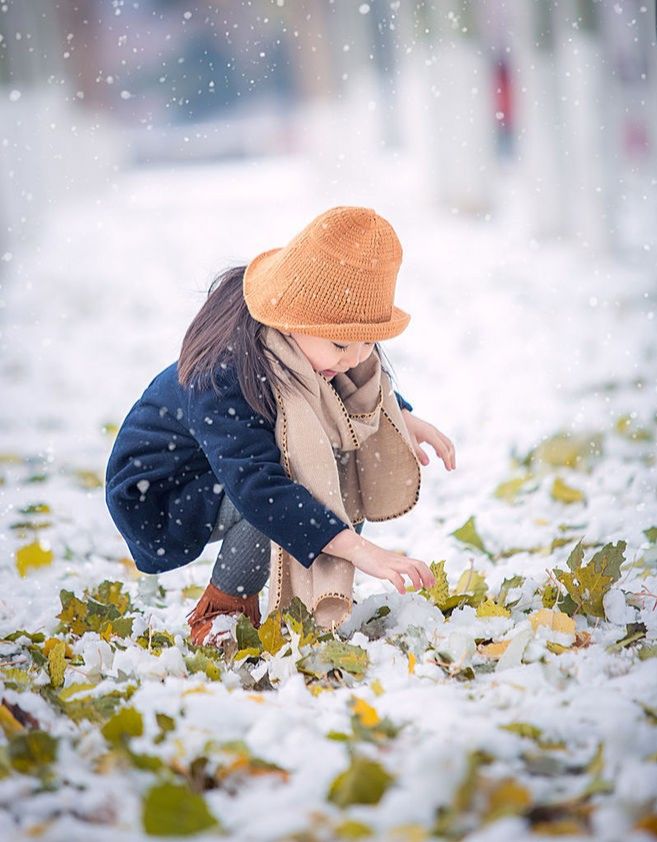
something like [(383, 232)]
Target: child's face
[(328, 356)]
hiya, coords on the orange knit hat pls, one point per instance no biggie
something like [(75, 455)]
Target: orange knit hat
[(336, 279)]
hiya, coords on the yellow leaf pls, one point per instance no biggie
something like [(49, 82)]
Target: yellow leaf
[(647, 823), (490, 608), (132, 569), (110, 428), (256, 697), (192, 591), (553, 619), (412, 660), (494, 650), (195, 688), (365, 712), (52, 642), (557, 648), (509, 489), (247, 652), (8, 722), (87, 478), (377, 687), (587, 584), (565, 493), (471, 581), (57, 663), (74, 689), (31, 556), (507, 797), (270, 633), (439, 592), (316, 689), (568, 450)]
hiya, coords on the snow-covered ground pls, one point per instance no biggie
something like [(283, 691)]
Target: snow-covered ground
[(511, 342)]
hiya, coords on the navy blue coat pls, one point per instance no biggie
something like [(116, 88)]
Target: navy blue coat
[(179, 449)]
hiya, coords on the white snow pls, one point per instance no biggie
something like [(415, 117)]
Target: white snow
[(510, 342)]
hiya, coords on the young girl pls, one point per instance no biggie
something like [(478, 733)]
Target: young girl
[(277, 430)]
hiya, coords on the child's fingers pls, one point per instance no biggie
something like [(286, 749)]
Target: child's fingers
[(427, 576), (444, 449), (413, 574), (421, 454), (397, 581), (450, 448)]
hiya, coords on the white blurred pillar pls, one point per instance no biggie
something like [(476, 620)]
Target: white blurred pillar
[(539, 133), (581, 76), (461, 115)]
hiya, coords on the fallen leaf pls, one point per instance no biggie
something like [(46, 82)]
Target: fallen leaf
[(32, 556), (553, 619)]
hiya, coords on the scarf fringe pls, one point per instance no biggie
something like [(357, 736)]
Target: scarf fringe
[(213, 602)]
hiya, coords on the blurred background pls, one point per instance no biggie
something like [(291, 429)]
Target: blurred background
[(145, 145), (557, 98)]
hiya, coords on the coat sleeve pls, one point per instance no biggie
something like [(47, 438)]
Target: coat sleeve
[(403, 403), (241, 448)]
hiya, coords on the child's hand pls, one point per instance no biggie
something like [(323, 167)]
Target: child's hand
[(421, 431), (385, 564), (376, 561)]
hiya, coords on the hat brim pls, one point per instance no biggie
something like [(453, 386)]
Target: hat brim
[(261, 310)]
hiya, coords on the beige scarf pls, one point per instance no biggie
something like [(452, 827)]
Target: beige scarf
[(346, 441)]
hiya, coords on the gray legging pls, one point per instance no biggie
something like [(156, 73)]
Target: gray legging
[(242, 565)]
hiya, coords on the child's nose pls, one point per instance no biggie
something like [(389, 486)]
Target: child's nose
[(355, 355)]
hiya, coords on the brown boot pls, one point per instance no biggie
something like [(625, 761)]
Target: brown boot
[(214, 602)]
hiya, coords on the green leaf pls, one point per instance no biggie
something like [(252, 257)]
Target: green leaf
[(92, 708), (155, 641), (125, 723), (549, 595), (200, 662), (364, 782), (102, 611), (30, 752), (35, 509), (35, 637), (334, 654), (648, 651), (587, 584), (507, 584), (174, 810), (633, 632), (468, 535), (111, 593), (532, 732), (651, 534), (247, 634), (299, 619), (166, 724)]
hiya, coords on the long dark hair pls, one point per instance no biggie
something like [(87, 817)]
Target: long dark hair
[(224, 333)]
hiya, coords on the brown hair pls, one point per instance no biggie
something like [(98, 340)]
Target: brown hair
[(222, 334)]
